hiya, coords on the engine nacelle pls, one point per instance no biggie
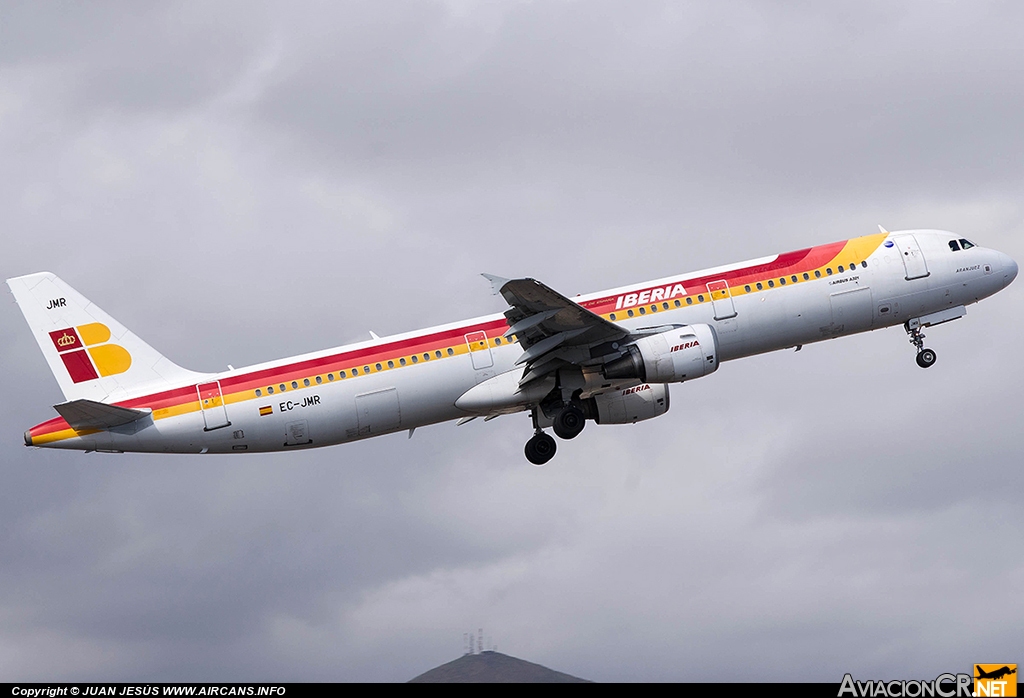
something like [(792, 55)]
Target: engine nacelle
[(628, 406), (674, 356)]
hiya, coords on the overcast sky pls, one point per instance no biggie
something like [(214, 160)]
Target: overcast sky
[(238, 182)]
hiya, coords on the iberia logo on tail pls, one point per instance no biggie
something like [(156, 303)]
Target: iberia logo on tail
[(87, 354)]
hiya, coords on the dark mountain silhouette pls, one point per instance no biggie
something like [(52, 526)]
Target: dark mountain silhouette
[(493, 667)]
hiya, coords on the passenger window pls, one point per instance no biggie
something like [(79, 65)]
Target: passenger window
[(677, 303), (437, 353), (330, 376), (270, 390), (497, 342), (366, 369), (629, 313), (747, 288), (689, 300), (306, 382), (966, 244), (700, 298), (426, 356), (654, 308), (807, 277), (355, 371), (794, 278), (450, 351), (319, 380), (864, 264), (391, 364), (665, 306), (782, 281), (282, 387), (817, 274), (760, 286), (401, 362), (841, 269), (415, 359), (295, 384), (828, 270), (771, 283), (341, 374), (643, 310), (612, 316), (259, 392)]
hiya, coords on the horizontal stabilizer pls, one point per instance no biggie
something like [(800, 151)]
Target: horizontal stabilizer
[(88, 414)]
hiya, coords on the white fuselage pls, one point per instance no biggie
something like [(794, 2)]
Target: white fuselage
[(873, 295)]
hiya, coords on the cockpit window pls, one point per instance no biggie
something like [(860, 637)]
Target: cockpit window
[(954, 245), (966, 244)]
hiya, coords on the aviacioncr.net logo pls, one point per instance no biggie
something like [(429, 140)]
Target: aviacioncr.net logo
[(942, 686), (995, 680)]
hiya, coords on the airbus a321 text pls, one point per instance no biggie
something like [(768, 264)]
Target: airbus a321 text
[(608, 357)]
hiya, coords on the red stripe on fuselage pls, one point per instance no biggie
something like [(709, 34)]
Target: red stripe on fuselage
[(785, 264)]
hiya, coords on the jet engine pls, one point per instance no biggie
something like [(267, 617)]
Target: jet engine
[(628, 406), (677, 355)]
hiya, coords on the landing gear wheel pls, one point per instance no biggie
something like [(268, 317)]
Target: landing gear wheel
[(569, 422), (540, 449), (925, 358)]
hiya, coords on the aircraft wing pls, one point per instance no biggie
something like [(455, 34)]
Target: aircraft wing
[(554, 331)]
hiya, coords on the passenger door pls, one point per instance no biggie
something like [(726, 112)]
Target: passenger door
[(721, 300), (913, 259), (211, 402)]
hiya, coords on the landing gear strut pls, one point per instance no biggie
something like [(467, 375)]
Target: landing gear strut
[(925, 357), (540, 448)]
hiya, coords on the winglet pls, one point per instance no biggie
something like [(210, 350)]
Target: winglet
[(882, 230), (496, 282)]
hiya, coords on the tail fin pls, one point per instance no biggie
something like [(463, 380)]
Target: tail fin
[(92, 355)]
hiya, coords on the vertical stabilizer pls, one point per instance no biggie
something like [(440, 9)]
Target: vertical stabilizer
[(92, 355)]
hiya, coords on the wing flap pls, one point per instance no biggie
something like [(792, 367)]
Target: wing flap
[(552, 330), (530, 298), (82, 415)]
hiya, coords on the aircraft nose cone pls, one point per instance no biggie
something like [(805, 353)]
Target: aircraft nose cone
[(1009, 270)]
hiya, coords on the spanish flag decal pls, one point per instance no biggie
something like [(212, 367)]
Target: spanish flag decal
[(264, 411)]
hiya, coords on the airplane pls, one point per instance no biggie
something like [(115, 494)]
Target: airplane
[(995, 674), (607, 357)]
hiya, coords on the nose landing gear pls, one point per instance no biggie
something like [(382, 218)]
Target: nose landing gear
[(925, 357)]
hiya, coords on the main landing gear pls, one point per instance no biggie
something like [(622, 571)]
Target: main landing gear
[(567, 423), (541, 448), (925, 357)]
